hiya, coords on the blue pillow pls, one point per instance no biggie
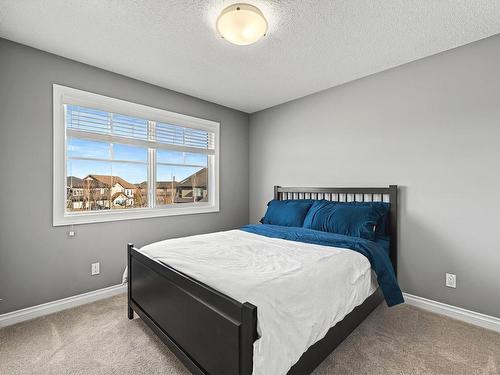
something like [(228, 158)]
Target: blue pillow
[(383, 209), (287, 213), (355, 219)]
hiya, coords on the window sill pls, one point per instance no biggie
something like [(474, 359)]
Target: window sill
[(130, 214)]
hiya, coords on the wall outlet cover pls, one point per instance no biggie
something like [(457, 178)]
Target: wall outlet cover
[(451, 280), (95, 269)]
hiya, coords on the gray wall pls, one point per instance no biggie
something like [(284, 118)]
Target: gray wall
[(432, 127), (39, 263)]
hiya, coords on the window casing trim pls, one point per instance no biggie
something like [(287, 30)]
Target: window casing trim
[(66, 95)]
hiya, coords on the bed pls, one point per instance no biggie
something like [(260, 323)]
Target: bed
[(217, 333)]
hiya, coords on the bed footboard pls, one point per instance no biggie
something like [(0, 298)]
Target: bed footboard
[(208, 331)]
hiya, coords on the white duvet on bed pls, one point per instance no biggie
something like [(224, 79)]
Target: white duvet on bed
[(301, 290)]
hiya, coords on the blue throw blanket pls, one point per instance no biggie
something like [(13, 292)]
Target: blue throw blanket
[(378, 258)]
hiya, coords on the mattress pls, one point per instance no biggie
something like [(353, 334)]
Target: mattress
[(301, 290)]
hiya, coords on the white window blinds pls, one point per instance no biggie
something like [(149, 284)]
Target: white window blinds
[(95, 124), (176, 135)]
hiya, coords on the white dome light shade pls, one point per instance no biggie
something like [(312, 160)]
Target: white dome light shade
[(242, 24)]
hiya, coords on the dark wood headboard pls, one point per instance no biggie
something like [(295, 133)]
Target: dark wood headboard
[(351, 194)]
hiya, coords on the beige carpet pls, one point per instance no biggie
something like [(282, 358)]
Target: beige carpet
[(99, 339)]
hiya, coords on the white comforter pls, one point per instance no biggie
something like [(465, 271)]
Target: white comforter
[(300, 290)]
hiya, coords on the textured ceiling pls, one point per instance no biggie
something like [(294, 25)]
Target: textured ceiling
[(311, 45)]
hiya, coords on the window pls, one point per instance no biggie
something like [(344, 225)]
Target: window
[(115, 160)]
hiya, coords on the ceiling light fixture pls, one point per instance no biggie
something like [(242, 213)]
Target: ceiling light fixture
[(242, 24)]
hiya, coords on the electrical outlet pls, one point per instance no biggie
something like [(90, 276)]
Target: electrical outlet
[(71, 232), (95, 269), (451, 280)]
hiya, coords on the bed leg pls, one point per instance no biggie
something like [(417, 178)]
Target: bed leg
[(130, 312)]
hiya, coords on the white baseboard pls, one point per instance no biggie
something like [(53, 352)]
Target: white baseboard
[(62, 304), (468, 316)]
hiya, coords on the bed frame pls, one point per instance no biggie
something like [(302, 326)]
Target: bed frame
[(211, 333)]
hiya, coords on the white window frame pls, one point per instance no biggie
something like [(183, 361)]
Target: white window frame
[(65, 95)]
